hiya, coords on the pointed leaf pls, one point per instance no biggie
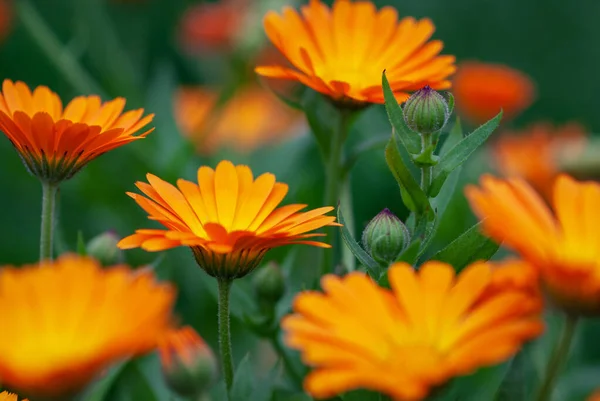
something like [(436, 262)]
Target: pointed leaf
[(362, 256), (469, 247), (243, 381), (461, 152), (409, 255), (409, 139), (81, 248)]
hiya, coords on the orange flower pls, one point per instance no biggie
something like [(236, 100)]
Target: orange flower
[(535, 154), (66, 321), (565, 248), (228, 219), (482, 89), (252, 118), (54, 143), (6, 396), (431, 327), (595, 396), (342, 52), (6, 17), (189, 365)]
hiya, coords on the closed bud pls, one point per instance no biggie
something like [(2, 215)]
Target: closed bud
[(188, 364), (385, 237), (426, 111), (104, 248), (269, 284)]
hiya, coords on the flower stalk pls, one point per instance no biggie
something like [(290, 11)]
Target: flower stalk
[(224, 332), (47, 227)]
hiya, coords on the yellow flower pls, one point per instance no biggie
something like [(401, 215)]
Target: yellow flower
[(342, 52), (229, 219), (564, 247), (432, 326), (6, 396), (67, 321), (55, 143)]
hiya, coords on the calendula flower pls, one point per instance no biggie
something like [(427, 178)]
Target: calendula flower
[(67, 321), (481, 90), (564, 247), (229, 219), (55, 143), (535, 153), (432, 325), (6, 396), (342, 51), (594, 396), (253, 117)]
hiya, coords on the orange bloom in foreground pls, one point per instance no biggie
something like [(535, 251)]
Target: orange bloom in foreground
[(55, 143), (564, 248), (342, 52), (252, 118), (229, 219), (6, 396), (535, 154), (67, 321), (431, 327), (482, 89)]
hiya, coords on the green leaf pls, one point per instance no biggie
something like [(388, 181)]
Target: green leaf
[(321, 116), (410, 140), (363, 395), (482, 385), (469, 247), (410, 254), (413, 196), (81, 247), (100, 388), (243, 380), (362, 256), (450, 103), (461, 152)]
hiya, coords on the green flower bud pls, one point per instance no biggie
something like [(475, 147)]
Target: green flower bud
[(188, 364), (104, 248), (426, 111), (269, 284), (385, 237)]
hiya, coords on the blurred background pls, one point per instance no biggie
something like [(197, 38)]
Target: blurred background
[(191, 63)]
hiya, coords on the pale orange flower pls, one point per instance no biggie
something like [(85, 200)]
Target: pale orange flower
[(342, 52), (6, 396), (67, 321), (564, 247), (482, 89), (55, 143), (535, 153), (432, 326), (229, 219), (253, 117)]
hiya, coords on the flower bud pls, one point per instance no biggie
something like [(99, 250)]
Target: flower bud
[(269, 284), (188, 364), (385, 237), (104, 248), (426, 111)]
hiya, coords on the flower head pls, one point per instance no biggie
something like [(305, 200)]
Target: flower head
[(385, 237), (342, 51), (66, 321), (6, 396), (55, 143), (253, 117), (431, 327), (564, 247), (229, 219), (188, 364), (535, 153), (482, 89)]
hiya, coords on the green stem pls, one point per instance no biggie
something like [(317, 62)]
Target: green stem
[(348, 258), (224, 332), (47, 228), (289, 366), (426, 172), (558, 358)]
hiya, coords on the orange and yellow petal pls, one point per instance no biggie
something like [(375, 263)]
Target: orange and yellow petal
[(6, 396), (342, 51), (75, 321)]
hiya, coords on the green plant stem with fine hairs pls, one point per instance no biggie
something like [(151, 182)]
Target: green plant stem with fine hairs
[(224, 332), (47, 226), (426, 171), (558, 358)]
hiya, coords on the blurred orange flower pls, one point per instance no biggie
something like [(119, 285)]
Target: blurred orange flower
[(482, 89), (535, 153), (595, 396), (229, 219), (75, 320), (6, 18), (253, 117), (55, 143), (432, 326), (6, 396), (342, 52), (564, 248)]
